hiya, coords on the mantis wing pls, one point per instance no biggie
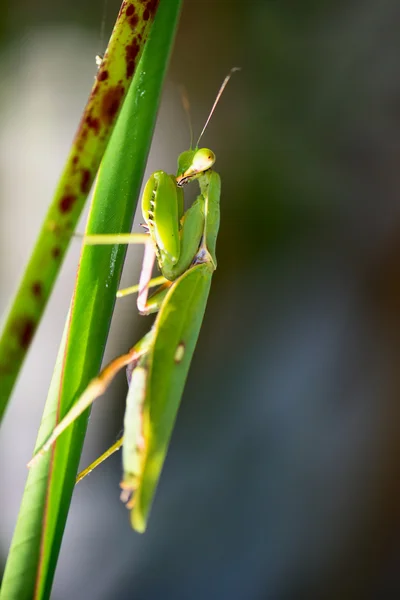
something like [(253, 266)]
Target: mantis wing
[(177, 328)]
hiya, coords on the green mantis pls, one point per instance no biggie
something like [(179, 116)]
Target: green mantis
[(184, 245)]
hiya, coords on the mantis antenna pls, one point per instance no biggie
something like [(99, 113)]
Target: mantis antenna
[(221, 89), (186, 108)]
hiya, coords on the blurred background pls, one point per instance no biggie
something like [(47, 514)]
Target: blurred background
[(283, 477)]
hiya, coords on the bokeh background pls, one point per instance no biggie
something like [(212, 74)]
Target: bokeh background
[(283, 477)]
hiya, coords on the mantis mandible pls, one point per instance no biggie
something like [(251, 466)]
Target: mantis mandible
[(184, 245)]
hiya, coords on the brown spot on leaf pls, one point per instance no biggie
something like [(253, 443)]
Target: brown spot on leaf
[(83, 138), (130, 10), (24, 329), (37, 289), (111, 102), (85, 181), (67, 202), (150, 9), (55, 252), (75, 160), (92, 123), (103, 75), (133, 21), (131, 52)]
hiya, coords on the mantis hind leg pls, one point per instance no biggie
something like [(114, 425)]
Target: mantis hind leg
[(114, 448), (133, 289), (155, 300), (132, 441), (95, 389)]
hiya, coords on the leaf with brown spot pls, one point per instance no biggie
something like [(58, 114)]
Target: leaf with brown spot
[(90, 142)]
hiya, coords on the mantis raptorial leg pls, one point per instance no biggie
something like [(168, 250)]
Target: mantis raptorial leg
[(184, 245)]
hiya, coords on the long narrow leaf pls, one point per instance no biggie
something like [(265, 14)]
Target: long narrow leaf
[(112, 83), (37, 538)]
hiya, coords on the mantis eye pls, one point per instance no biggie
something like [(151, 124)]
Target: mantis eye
[(203, 160)]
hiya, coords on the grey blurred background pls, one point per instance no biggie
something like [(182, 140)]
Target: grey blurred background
[(282, 480)]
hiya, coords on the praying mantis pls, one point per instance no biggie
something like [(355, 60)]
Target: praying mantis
[(184, 245)]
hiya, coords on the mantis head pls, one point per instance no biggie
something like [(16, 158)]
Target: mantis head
[(193, 163)]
